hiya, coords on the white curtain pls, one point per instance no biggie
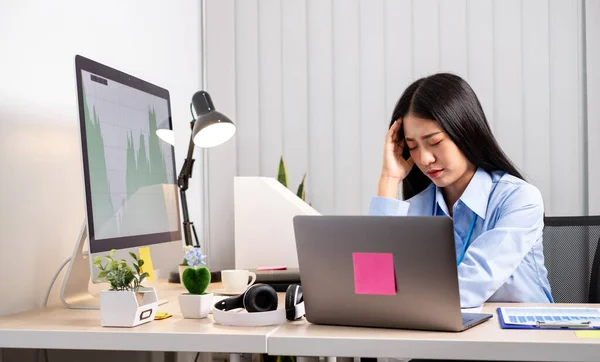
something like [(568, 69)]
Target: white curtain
[(315, 81)]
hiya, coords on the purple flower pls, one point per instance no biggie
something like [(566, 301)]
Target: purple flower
[(194, 256)]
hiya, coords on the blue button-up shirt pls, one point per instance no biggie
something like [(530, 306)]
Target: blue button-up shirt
[(504, 260)]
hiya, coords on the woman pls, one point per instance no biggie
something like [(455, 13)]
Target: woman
[(439, 126)]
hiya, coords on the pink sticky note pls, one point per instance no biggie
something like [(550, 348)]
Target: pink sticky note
[(263, 268), (374, 273)]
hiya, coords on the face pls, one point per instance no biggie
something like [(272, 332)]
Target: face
[(434, 152)]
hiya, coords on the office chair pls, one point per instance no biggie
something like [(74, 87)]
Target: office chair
[(572, 257)]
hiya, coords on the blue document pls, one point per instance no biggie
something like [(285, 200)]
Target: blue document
[(549, 318)]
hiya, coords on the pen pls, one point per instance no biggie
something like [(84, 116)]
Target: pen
[(542, 324)]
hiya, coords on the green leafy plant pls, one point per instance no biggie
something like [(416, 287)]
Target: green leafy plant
[(283, 178), (119, 273), (184, 262)]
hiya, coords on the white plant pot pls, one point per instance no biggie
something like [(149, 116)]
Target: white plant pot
[(127, 308), (181, 269), (195, 305)]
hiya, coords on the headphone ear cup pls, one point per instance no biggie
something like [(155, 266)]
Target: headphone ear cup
[(293, 296), (260, 298)]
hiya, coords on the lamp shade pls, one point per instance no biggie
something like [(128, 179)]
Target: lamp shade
[(211, 127), (165, 133)]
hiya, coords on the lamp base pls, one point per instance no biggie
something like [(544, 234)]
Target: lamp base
[(174, 277), (215, 277)]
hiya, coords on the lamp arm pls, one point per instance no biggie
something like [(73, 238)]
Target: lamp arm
[(183, 183), (188, 164)]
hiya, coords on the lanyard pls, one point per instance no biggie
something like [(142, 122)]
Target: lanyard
[(467, 239)]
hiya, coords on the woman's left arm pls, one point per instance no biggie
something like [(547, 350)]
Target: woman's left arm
[(494, 256)]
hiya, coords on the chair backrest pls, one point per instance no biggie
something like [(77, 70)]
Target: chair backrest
[(572, 258)]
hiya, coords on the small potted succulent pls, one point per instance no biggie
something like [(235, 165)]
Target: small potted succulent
[(189, 252), (127, 303), (196, 303)]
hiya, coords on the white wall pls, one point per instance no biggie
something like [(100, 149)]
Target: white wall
[(592, 13), (41, 192), (316, 81), (220, 83)]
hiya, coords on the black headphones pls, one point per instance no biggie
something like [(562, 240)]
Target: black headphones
[(260, 301)]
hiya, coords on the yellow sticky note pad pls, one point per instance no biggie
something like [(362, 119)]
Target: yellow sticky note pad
[(588, 334), (161, 315), (147, 267)]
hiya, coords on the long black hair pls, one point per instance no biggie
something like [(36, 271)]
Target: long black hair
[(449, 100)]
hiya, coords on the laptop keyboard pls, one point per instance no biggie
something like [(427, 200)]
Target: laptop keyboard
[(468, 318)]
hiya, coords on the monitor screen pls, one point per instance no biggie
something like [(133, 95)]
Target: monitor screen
[(130, 181)]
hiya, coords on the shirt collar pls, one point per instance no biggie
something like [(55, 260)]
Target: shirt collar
[(475, 196), (440, 202)]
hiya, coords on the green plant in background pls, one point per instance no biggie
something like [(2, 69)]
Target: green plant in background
[(196, 278), (283, 178), (119, 274)]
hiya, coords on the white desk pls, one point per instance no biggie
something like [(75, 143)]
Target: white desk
[(484, 342), (59, 328)]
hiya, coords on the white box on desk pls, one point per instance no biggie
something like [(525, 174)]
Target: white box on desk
[(122, 308), (264, 228)]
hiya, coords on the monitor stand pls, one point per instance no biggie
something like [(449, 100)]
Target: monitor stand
[(74, 292)]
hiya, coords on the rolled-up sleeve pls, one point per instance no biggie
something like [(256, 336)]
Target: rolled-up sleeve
[(494, 256), (384, 206)]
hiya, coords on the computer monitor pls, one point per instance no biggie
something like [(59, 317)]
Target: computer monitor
[(264, 211), (131, 194)]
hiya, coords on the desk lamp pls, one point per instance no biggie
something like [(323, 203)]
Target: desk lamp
[(209, 129)]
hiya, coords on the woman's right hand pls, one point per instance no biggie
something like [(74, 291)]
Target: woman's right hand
[(395, 167)]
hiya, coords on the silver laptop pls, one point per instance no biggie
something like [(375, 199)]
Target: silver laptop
[(381, 271)]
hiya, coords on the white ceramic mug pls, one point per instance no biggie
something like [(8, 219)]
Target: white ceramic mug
[(236, 280)]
